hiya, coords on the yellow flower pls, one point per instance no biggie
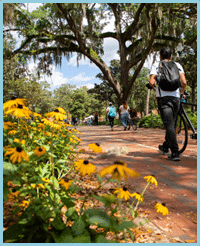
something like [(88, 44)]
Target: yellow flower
[(8, 124), (72, 140), (12, 132), (19, 141), (95, 147), (119, 170), (14, 103), (13, 195), (46, 180), (61, 110), (38, 186), (17, 154), (25, 204), (151, 179), (84, 167), (56, 115), (65, 184), (123, 193), (51, 124), (137, 196), (39, 151), (20, 111), (160, 208)]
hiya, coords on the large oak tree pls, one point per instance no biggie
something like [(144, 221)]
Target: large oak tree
[(59, 29)]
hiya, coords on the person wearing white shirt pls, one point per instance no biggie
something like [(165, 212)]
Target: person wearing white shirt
[(168, 104), (124, 114)]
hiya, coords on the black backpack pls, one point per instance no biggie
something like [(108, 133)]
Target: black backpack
[(168, 78)]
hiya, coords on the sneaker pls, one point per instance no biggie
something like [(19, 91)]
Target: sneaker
[(163, 149), (174, 157), (125, 128)]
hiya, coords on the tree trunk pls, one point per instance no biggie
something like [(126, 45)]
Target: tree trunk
[(147, 102)]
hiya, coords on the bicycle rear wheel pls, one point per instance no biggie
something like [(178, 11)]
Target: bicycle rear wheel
[(181, 132)]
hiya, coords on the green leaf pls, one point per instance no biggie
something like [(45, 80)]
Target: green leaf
[(72, 213), (99, 179), (78, 227), (64, 237), (84, 238), (13, 232), (102, 239), (125, 225), (68, 202), (58, 224), (8, 168), (131, 235), (99, 217)]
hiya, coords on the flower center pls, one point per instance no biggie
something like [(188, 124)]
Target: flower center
[(85, 162), (66, 179), (57, 111), (97, 144), (40, 149), (19, 149), (116, 171), (119, 162), (163, 204), (124, 188), (20, 106)]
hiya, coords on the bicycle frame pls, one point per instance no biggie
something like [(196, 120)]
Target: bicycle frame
[(182, 110)]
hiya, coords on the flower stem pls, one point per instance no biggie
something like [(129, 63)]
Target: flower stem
[(141, 195)]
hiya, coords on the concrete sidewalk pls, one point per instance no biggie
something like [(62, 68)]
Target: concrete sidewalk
[(177, 181)]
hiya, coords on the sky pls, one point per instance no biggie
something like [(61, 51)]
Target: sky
[(85, 73)]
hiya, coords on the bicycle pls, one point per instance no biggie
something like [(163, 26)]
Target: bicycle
[(181, 126), (132, 123)]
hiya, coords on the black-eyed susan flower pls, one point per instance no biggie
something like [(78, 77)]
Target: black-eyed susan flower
[(24, 204), (138, 196), (95, 147), (119, 170), (50, 123), (161, 208), (22, 141), (16, 154), (56, 115), (84, 167), (65, 184), (39, 186), (61, 110), (13, 195), (19, 112), (123, 193), (13, 103), (46, 180), (151, 179), (12, 132), (8, 124), (39, 151)]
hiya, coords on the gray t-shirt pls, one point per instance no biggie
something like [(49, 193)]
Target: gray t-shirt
[(161, 93)]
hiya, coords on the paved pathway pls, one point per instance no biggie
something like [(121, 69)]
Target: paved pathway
[(177, 181)]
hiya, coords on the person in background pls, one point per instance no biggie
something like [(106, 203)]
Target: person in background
[(111, 112), (96, 117), (124, 114)]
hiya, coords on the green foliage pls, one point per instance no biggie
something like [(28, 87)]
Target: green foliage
[(151, 121)]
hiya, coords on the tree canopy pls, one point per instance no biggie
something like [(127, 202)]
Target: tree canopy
[(58, 29)]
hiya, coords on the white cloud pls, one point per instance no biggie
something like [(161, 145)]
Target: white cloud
[(32, 6), (57, 78)]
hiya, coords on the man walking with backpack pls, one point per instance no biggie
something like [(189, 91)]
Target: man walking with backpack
[(170, 77), (111, 111)]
